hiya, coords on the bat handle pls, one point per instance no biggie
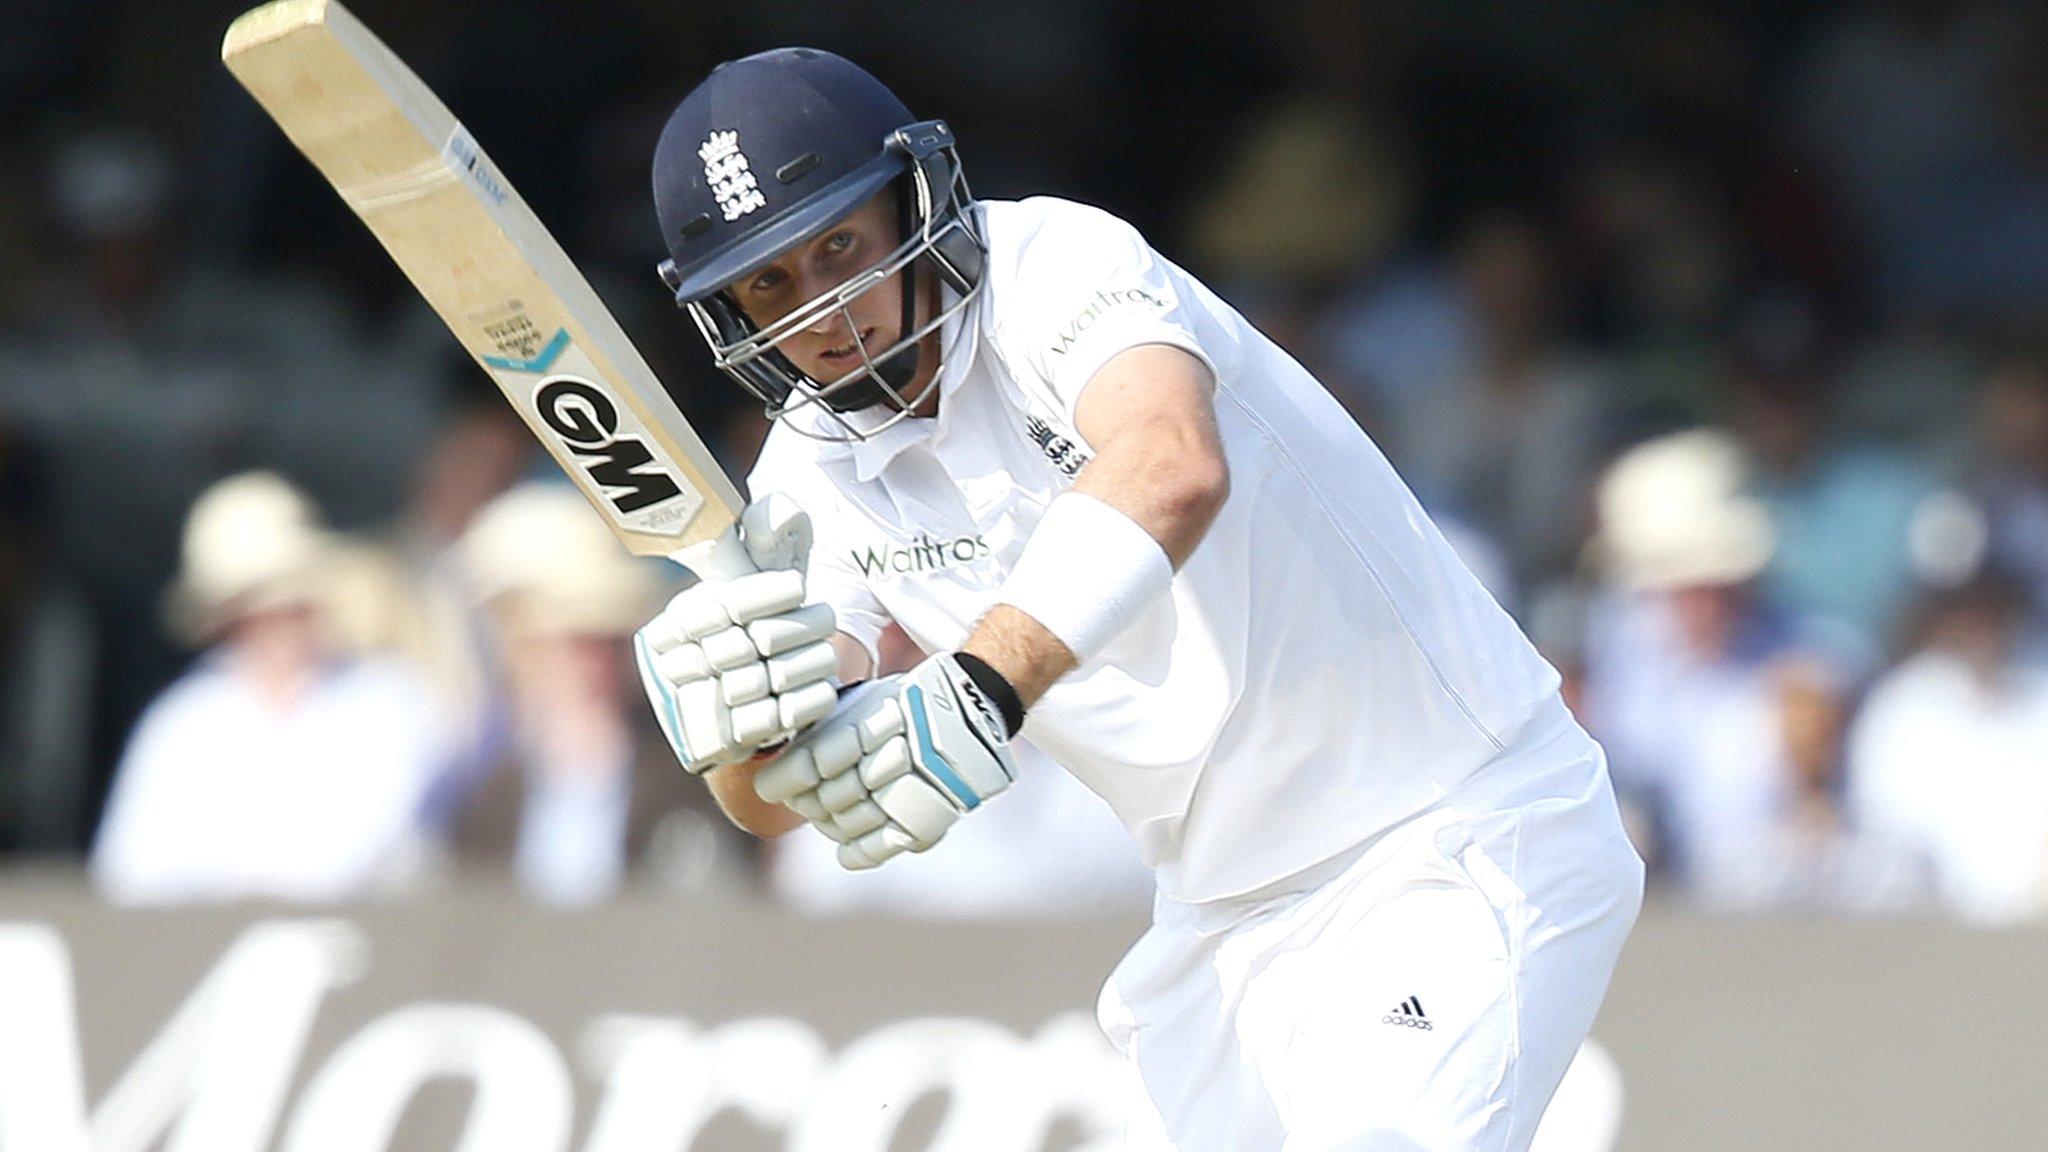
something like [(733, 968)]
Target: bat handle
[(723, 557), (772, 533)]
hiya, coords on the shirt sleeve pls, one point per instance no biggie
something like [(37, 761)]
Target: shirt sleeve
[(1087, 286)]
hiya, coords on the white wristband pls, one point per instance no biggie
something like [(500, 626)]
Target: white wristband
[(1087, 573)]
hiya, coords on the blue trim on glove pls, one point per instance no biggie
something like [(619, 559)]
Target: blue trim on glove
[(930, 757), (673, 726)]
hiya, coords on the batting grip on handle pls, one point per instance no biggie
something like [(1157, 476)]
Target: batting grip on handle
[(773, 532), (723, 557)]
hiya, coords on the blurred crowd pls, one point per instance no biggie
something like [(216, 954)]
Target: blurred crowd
[(1716, 337)]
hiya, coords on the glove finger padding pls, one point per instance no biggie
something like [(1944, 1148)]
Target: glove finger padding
[(800, 707), (737, 662), (874, 849), (788, 631), (827, 750), (711, 606), (896, 764), (783, 779)]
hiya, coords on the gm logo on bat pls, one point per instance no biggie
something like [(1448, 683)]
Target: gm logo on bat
[(620, 462), (587, 420)]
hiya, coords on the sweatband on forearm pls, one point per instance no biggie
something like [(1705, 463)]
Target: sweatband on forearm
[(1086, 574)]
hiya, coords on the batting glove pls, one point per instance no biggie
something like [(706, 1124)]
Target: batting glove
[(898, 762), (736, 663)]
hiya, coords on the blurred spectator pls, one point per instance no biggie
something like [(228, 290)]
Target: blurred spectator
[(1693, 83), (1843, 510), (2007, 475), (430, 614), (273, 768), (589, 797), (1654, 238), (1925, 113), (46, 676), (1318, 184), (1049, 848), (1490, 414), (132, 282), (1716, 716), (1950, 754), (149, 367), (130, 419)]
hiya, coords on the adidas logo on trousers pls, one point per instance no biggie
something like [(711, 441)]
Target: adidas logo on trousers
[(1408, 1014)]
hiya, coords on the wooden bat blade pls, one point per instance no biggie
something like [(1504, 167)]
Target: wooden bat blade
[(487, 266)]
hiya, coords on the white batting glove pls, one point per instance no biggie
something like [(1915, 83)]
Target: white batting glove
[(898, 762), (735, 663)]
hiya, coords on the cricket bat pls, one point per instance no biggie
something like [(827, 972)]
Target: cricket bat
[(485, 263)]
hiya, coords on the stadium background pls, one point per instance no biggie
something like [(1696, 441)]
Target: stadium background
[(1517, 239)]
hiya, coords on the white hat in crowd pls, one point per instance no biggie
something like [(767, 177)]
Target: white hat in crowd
[(1674, 514), (547, 561), (252, 542)]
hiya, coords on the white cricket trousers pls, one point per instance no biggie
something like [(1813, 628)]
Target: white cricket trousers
[(1422, 993)]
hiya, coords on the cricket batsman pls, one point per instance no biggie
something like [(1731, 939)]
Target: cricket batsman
[(1392, 878)]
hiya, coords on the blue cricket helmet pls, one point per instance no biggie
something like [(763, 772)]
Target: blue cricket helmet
[(807, 128), (767, 153)]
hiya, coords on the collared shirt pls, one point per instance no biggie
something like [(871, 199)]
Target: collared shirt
[(1324, 666)]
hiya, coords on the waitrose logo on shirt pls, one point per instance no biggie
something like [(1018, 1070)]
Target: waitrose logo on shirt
[(1105, 301), (926, 554)]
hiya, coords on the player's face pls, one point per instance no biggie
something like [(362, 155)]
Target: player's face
[(831, 349)]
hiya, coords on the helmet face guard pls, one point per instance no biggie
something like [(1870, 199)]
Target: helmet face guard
[(939, 235)]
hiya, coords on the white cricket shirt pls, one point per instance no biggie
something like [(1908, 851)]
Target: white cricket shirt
[(1325, 666)]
